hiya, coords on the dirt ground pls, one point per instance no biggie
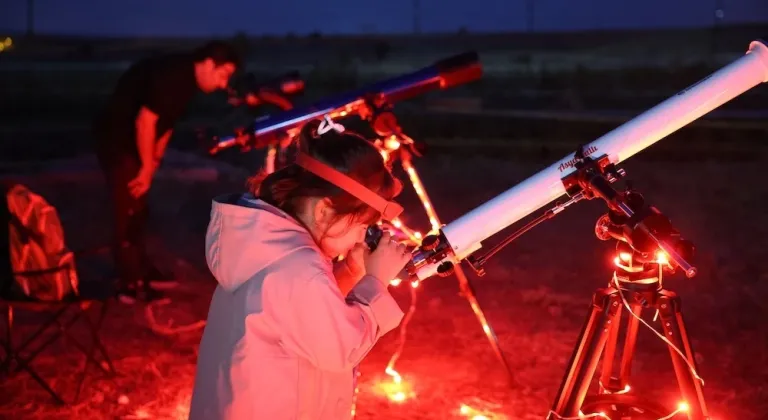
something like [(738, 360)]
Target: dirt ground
[(535, 296)]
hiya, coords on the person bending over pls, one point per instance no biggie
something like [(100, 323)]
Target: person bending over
[(286, 327), (131, 134)]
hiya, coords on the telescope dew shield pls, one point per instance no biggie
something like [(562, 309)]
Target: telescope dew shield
[(289, 83), (446, 73), (459, 69)]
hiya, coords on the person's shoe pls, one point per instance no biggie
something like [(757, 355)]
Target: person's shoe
[(163, 283), (127, 296), (159, 280)]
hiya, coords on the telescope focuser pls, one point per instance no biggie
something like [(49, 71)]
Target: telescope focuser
[(433, 248)]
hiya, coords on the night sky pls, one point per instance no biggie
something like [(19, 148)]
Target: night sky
[(225, 17)]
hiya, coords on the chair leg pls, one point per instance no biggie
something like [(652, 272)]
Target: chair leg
[(97, 340), (21, 363), (39, 349), (96, 344), (43, 383), (44, 327), (64, 326), (9, 340)]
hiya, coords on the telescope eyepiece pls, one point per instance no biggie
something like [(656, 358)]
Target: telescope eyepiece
[(373, 236)]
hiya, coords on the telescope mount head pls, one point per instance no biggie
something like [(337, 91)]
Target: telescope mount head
[(648, 235)]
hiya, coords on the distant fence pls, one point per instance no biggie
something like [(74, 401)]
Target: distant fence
[(753, 119), (495, 64)]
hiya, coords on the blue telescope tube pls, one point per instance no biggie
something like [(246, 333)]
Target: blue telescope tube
[(444, 74)]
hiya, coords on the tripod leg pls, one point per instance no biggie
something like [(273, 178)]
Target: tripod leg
[(619, 384), (584, 360), (606, 377), (633, 324), (674, 330), (468, 293), (464, 285)]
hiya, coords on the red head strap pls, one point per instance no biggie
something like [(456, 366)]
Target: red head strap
[(389, 209)]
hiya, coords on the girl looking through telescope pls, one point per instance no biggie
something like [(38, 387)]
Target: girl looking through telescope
[(286, 327)]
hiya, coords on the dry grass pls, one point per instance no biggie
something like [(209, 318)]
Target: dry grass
[(535, 297)]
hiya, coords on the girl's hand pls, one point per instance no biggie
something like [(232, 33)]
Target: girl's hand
[(356, 260), (351, 269), (387, 260)]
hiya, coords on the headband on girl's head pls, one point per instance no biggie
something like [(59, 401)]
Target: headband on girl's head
[(389, 209)]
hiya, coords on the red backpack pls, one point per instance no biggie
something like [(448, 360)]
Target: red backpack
[(36, 244)]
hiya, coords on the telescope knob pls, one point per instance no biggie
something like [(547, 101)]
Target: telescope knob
[(385, 124), (445, 269), (602, 227), (430, 243)]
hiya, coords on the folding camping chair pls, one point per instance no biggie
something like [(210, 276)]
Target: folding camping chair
[(61, 317)]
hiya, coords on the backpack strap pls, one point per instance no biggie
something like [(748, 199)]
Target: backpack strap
[(6, 269)]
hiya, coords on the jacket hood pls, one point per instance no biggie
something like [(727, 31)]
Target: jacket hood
[(245, 235)]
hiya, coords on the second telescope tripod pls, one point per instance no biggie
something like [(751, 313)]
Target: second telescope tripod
[(633, 288), (647, 247)]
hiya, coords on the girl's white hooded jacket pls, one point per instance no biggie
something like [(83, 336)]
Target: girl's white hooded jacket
[(281, 342)]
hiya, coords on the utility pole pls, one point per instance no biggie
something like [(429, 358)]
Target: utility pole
[(30, 18), (417, 16), (718, 16), (530, 14)]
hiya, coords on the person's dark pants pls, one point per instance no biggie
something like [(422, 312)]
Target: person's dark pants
[(130, 216)]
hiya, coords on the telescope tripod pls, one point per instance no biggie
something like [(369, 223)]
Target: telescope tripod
[(635, 286), (392, 152)]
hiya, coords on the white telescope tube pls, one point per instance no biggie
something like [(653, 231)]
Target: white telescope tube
[(465, 233)]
